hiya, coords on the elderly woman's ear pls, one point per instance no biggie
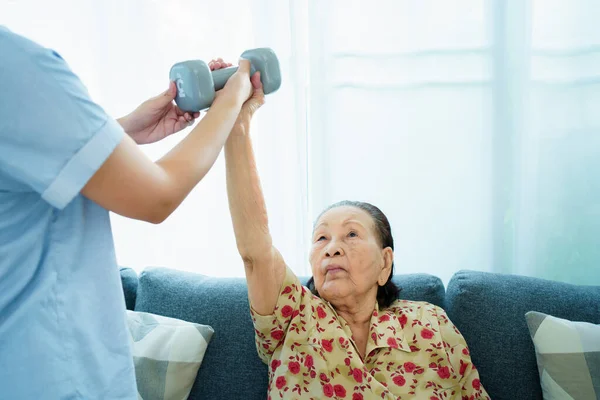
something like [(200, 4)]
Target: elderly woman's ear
[(386, 270)]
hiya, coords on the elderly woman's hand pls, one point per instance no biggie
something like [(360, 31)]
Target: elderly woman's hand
[(242, 125)]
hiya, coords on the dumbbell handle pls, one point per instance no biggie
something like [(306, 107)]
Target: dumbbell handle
[(221, 76)]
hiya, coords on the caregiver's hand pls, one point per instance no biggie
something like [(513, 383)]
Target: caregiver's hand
[(159, 117)]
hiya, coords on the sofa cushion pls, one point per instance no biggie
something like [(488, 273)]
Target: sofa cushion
[(568, 356), (167, 354), (129, 279), (489, 309), (231, 367)]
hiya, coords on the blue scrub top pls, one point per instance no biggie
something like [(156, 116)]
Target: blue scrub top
[(63, 331)]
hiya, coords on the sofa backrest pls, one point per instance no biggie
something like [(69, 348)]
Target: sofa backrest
[(129, 279), (489, 310), (231, 368)]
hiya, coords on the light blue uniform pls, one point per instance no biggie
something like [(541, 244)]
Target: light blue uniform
[(63, 331)]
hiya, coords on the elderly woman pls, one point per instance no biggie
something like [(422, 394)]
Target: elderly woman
[(345, 336)]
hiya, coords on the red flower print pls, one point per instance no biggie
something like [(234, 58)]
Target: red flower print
[(277, 335), (476, 384), (465, 351), (339, 390), (444, 372), (374, 336), (399, 380), (294, 367), (286, 311), (309, 362), (414, 348), (280, 382), (384, 317), (357, 373), (426, 334), (328, 390), (409, 367), (275, 364), (392, 343), (342, 341), (287, 290), (403, 320), (432, 365), (327, 345), (357, 396), (463, 367), (321, 313), (313, 373), (323, 377), (347, 361)]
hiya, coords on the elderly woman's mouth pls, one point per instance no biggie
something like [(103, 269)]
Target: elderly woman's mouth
[(334, 269)]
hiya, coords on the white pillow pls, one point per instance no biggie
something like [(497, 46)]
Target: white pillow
[(167, 354), (568, 357)]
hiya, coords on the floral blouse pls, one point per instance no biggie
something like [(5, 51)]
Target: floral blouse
[(413, 351)]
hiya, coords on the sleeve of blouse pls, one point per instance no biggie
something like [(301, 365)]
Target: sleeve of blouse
[(460, 358), (270, 330)]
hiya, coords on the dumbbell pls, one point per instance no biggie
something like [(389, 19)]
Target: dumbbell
[(197, 84)]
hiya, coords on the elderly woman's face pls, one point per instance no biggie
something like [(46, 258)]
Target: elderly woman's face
[(346, 257)]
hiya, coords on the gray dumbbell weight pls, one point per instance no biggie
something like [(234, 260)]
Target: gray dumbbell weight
[(197, 84)]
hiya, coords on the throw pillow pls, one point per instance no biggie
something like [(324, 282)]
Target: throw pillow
[(568, 356), (167, 354)]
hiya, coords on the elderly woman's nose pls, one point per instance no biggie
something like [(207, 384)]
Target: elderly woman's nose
[(334, 249)]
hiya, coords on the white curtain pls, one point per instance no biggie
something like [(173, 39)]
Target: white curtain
[(474, 125)]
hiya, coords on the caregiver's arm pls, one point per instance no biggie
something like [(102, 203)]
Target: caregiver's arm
[(130, 184), (265, 268)]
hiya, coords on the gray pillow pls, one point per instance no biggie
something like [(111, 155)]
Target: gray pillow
[(568, 356), (167, 354)]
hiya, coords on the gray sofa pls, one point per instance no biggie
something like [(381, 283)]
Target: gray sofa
[(487, 308)]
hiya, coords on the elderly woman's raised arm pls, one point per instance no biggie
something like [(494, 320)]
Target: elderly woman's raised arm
[(264, 266)]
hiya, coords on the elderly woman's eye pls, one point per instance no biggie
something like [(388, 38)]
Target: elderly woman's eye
[(320, 238), (352, 234)]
